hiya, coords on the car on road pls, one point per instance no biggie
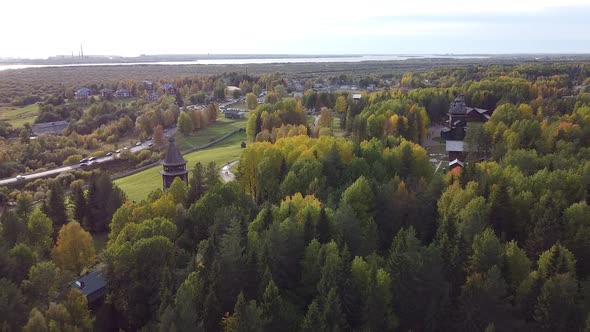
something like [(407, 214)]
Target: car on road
[(20, 177), (150, 138), (91, 158), (83, 164), (109, 154), (138, 144), (118, 151), (94, 162), (83, 160), (151, 144), (126, 148)]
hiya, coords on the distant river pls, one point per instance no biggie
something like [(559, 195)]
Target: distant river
[(242, 61)]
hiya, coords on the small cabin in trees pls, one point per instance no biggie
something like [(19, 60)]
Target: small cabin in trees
[(232, 92), (169, 88), (106, 93), (122, 93), (55, 127), (174, 166), (82, 93), (152, 96), (148, 85), (92, 285)]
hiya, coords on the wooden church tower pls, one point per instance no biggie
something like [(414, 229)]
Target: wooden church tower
[(174, 166)]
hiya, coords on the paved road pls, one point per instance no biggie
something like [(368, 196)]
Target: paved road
[(226, 173), (31, 176)]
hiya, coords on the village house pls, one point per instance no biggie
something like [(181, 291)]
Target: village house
[(106, 93), (232, 91), (82, 93), (152, 96), (56, 127), (148, 85), (169, 88), (122, 93), (92, 285), (456, 166)]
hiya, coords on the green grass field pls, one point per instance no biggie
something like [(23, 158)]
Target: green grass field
[(138, 186), (18, 116), (221, 127)]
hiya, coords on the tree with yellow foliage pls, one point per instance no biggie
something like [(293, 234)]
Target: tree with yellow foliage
[(74, 249)]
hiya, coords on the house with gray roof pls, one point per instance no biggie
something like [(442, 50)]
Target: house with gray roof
[(82, 93), (92, 285), (122, 93), (46, 128)]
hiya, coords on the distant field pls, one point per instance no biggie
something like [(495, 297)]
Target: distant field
[(221, 127), (138, 186), (18, 116)]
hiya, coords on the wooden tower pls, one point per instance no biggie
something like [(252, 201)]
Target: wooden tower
[(174, 166)]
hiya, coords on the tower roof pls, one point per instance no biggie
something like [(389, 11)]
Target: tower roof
[(458, 106), (173, 156)]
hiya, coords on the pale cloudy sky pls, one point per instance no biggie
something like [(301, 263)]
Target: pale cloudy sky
[(41, 28)]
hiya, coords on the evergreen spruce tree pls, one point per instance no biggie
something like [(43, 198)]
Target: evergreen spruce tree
[(312, 321), (309, 228), (56, 208), (79, 200), (196, 184), (332, 316)]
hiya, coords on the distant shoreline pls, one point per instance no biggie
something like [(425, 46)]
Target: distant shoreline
[(222, 60)]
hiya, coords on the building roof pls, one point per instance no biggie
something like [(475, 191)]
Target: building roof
[(232, 88), (173, 156), (456, 163), (455, 146), (356, 96), (122, 90), (168, 86), (50, 127), (480, 110), (90, 283), (458, 106)]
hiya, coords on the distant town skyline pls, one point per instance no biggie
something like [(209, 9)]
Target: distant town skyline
[(131, 28)]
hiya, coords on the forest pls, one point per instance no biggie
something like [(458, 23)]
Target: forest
[(325, 232)]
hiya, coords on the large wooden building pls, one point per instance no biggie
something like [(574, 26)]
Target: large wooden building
[(454, 134), (174, 166)]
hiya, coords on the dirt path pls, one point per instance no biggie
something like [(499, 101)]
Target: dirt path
[(226, 173)]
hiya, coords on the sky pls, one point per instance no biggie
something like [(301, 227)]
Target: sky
[(42, 28)]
